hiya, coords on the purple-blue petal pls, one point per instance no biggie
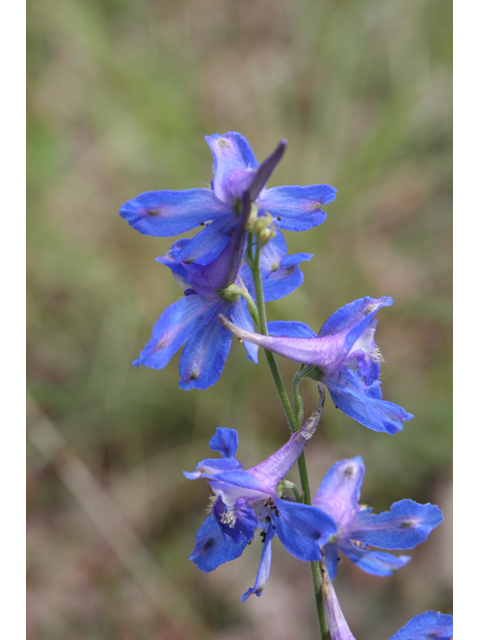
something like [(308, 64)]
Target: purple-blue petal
[(303, 529), (339, 492), (233, 159), (236, 522), (285, 279), (352, 315), (239, 315), (210, 467), (290, 329), (430, 625), (331, 559), (264, 567), (337, 625), (168, 213), (364, 404), (177, 324), (203, 358), (213, 547), (297, 208), (225, 441), (234, 484), (210, 241), (272, 470), (406, 525), (377, 563)]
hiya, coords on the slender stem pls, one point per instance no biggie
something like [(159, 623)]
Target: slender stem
[(317, 587), (297, 398), (294, 418), (262, 318)]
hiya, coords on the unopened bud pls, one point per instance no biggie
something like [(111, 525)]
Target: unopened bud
[(232, 293)]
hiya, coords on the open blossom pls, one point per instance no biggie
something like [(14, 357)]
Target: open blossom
[(343, 356), (359, 530), (430, 625), (246, 499), (193, 320), (236, 170)]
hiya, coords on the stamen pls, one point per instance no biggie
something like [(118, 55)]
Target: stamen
[(210, 503), (229, 518)]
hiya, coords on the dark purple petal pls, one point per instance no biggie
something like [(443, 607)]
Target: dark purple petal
[(264, 568), (213, 547), (226, 441), (430, 625), (303, 529), (168, 213), (339, 492), (265, 170), (406, 525), (222, 271), (297, 208), (177, 324), (236, 522), (377, 563)]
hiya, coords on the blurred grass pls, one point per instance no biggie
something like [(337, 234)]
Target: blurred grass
[(120, 97)]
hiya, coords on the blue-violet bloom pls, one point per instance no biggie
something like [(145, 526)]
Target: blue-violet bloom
[(247, 499), (406, 525), (236, 170), (343, 356), (430, 625), (193, 320)]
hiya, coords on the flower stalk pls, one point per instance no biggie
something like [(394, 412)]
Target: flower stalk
[(294, 419)]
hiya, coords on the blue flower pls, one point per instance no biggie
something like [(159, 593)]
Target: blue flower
[(406, 525), (193, 320), (236, 170), (343, 356), (246, 499), (430, 625)]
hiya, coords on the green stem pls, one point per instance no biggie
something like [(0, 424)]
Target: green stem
[(262, 318), (297, 398), (317, 587), (294, 418)]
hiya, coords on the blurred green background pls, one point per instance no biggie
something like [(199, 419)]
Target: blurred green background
[(121, 94)]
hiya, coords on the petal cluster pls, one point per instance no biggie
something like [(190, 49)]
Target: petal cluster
[(343, 356), (193, 321), (206, 265), (360, 531), (235, 170), (246, 500)]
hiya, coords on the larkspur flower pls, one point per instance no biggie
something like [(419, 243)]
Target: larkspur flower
[(236, 170), (193, 320), (406, 525), (246, 499), (430, 625), (343, 356)]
